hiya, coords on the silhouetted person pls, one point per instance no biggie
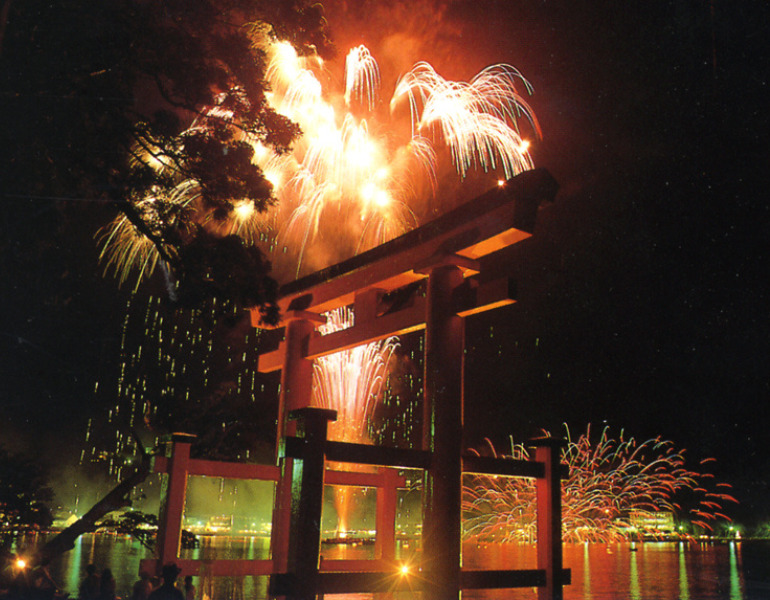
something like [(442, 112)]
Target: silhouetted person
[(107, 586), (167, 591), (189, 588), (142, 587), (89, 587)]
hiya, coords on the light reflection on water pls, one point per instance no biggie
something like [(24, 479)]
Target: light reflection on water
[(657, 571), (119, 554), (684, 588), (654, 571)]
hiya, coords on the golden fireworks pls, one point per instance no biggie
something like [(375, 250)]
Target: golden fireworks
[(349, 182)]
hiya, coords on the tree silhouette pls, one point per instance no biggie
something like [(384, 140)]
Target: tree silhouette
[(112, 102)]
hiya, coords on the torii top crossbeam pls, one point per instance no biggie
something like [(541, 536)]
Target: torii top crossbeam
[(495, 220)]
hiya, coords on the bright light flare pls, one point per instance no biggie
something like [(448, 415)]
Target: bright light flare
[(243, 210), (375, 195), (381, 198), (20, 563)]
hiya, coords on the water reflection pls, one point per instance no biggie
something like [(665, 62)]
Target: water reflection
[(586, 571), (684, 588), (665, 571), (229, 547), (77, 566), (633, 577), (735, 578)]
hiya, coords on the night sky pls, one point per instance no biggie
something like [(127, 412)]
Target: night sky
[(643, 292)]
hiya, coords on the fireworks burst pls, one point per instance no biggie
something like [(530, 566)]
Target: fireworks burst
[(351, 181), (609, 481), (125, 248), (350, 382), (477, 120)]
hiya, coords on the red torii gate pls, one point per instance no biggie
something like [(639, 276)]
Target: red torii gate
[(460, 256), (456, 255)]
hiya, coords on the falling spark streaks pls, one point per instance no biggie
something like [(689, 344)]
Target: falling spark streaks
[(610, 480), (477, 120), (362, 76), (350, 382)]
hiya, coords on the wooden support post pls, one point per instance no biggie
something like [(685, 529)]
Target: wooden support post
[(297, 374), (172, 499), (549, 545), (307, 500), (296, 388), (442, 434), (387, 502)]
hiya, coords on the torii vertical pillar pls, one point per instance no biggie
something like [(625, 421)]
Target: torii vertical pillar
[(307, 504), (442, 433), (296, 389), (387, 507), (173, 498), (549, 546)]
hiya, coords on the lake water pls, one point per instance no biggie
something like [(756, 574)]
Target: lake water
[(648, 571), (654, 571)]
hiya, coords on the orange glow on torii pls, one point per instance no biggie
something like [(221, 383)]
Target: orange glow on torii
[(466, 237), (461, 258)]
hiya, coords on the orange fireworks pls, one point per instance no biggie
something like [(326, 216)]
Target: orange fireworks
[(349, 181)]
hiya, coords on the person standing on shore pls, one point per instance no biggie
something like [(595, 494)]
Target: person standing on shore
[(142, 588), (189, 588), (89, 587), (167, 590), (107, 586)]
